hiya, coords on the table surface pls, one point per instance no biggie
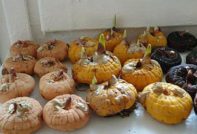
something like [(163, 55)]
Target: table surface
[(139, 121)]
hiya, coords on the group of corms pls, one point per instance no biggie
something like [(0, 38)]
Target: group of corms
[(118, 71)]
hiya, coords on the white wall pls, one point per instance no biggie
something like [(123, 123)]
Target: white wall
[(68, 36), (64, 15), (4, 37), (184, 14)]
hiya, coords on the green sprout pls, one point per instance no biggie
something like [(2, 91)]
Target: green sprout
[(156, 28), (144, 34), (125, 34), (94, 80), (148, 28), (82, 51), (101, 40), (148, 50), (138, 42)]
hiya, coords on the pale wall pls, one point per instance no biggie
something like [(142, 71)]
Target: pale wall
[(4, 37)]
